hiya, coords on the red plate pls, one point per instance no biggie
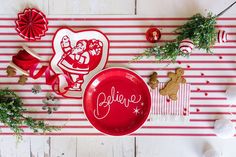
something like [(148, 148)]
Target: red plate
[(117, 101)]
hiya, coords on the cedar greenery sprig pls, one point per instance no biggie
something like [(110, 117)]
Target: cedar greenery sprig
[(201, 30), (11, 115)]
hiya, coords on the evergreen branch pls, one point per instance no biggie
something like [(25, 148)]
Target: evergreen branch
[(11, 115), (201, 30)]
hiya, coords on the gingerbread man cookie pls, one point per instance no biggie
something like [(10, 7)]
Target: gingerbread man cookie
[(153, 82), (11, 71), (172, 87), (22, 79)]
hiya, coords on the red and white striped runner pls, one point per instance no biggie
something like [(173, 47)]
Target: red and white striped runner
[(209, 75), (165, 109)]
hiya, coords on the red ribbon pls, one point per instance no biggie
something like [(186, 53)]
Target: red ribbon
[(24, 60), (29, 63)]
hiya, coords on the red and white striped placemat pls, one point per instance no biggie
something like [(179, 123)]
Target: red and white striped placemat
[(209, 75), (166, 110)]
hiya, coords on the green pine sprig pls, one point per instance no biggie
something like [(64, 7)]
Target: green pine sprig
[(11, 115), (201, 30)]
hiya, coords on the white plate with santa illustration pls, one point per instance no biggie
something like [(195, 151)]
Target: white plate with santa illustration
[(78, 55), (117, 101)]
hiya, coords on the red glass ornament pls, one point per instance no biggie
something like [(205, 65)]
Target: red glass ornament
[(153, 35)]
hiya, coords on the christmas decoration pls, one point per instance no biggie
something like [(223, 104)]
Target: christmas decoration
[(153, 35), (222, 36), (186, 46), (113, 93), (11, 114), (23, 79), (11, 71), (172, 87), (31, 24), (224, 128), (153, 82), (77, 57), (199, 29), (167, 110), (24, 60)]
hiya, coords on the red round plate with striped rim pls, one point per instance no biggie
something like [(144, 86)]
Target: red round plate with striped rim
[(117, 101)]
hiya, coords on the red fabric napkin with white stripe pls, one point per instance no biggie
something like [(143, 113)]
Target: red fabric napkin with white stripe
[(165, 109)]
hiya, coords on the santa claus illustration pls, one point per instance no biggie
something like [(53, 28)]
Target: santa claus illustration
[(76, 61)]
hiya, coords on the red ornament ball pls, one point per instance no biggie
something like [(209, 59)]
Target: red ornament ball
[(186, 46), (153, 35)]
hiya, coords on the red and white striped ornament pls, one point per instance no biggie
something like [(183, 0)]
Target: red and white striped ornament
[(222, 36), (186, 46)]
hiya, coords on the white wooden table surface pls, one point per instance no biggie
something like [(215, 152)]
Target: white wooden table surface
[(116, 146)]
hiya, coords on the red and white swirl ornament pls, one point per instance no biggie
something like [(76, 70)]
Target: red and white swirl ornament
[(186, 46), (222, 36)]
